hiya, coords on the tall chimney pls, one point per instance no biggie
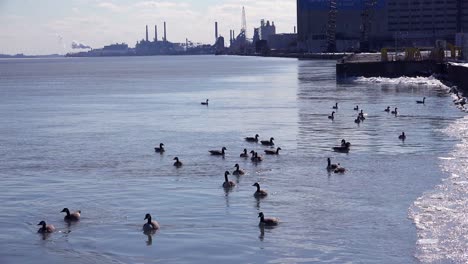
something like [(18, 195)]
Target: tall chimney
[(155, 33), (146, 33), (294, 29), (216, 31), (165, 39)]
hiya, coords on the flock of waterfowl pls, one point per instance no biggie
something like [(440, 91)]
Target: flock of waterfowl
[(228, 184), (152, 225), (69, 217)]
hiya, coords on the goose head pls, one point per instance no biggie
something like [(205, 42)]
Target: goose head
[(147, 216)]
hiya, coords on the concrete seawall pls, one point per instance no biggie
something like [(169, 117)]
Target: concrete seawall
[(458, 75)]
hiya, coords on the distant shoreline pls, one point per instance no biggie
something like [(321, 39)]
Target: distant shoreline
[(22, 56)]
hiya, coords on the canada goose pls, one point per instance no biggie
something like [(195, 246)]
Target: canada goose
[(255, 157), (259, 193), (402, 136), (45, 228), (395, 112), (227, 183), (339, 169), (387, 109), (75, 216), (332, 116), (238, 171), (358, 119), (336, 106), (205, 103), (244, 154), (268, 142), (421, 102), (344, 148), (177, 162), (361, 117), (160, 149), (272, 152), (252, 139), (150, 225), (217, 152), (356, 108), (267, 221), (331, 166)]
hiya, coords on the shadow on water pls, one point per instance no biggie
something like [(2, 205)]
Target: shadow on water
[(149, 237)]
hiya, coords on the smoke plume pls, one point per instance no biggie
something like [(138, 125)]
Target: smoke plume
[(77, 45)]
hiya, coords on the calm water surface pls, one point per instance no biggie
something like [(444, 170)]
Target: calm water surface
[(80, 133)]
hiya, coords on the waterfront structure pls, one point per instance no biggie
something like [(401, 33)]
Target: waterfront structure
[(266, 29), (317, 18), (286, 42), (462, 42), (347, 25), (423, 22)]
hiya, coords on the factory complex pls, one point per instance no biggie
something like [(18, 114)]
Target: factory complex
[(328, 26)]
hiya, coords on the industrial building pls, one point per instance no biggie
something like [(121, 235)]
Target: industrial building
[(347, 25), (266, 29)]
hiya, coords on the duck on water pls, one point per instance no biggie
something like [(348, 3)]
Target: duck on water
[(70, 217), (344, 148), (150, 225), (270, 221), (227, 183), (45, 228), (272, 152), (160, 149), (268, 142), (217, 152), (259, 193), (252, 139), (177, 162), (244, 154), (238, 171)]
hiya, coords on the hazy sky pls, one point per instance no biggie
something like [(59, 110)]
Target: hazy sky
[(50, 26)]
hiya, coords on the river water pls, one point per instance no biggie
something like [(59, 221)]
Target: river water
[(80, 133)]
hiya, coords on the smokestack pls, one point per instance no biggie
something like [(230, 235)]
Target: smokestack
[(165, 39), (216, 31), (233, 35), (294, 29), (146, 32), (155, 33)]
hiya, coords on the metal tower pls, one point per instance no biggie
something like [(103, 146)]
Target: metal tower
[(367, 16), (244, 22), (331, 27)]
